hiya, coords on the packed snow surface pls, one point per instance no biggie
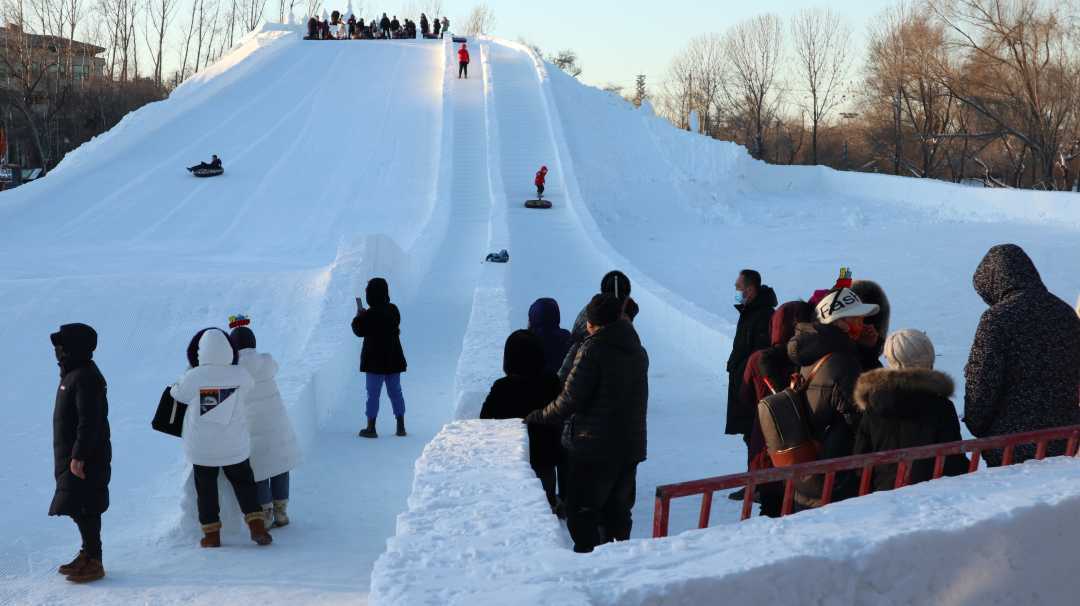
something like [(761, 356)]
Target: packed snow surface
[(354, 159)]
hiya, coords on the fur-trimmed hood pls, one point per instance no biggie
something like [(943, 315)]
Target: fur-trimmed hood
[(903, 392)]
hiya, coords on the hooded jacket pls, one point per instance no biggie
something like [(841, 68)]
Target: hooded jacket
[(215, 430), (527, 386), (604, 404), (902, 409), (1024, 368), (751, 334), (274, 449), (544, 319), (463, 55), (379, 327), (80, 426)]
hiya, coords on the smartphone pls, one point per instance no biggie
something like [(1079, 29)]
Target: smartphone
[(359, 303)]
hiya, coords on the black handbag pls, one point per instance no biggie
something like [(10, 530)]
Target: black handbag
[(169, 417)]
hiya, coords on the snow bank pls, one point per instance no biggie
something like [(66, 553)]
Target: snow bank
[(478, 531)]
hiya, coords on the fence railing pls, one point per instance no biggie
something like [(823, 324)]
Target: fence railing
[(865, 464)]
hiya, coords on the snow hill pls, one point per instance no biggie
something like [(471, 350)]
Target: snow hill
[(353, 159)]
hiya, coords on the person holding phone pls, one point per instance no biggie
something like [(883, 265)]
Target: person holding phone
[(382, 359)]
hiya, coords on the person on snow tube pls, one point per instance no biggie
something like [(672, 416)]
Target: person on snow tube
[(215, 163)]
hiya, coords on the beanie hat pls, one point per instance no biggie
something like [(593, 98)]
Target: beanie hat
[(604, 309), (843, 303), (909, 349), (615, 283)]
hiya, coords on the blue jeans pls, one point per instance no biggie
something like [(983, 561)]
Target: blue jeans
[(393, 389), (273, 489)]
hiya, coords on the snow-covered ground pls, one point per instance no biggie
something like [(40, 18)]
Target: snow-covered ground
[(348, 160), (1002, 536)]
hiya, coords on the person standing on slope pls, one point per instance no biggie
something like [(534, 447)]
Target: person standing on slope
[(755, 303), (539, 181), (274, 449), (382, 358), (445, 26), (463, 61), (384, 26), (82, 447), (603, 410), (216, 434)]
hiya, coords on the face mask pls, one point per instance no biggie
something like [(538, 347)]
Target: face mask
[(740, 297), (855, 331)]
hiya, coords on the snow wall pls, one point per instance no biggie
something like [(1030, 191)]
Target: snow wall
[(1001, 536)]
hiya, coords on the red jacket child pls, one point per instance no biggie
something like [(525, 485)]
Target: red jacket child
[(463, 54), (541, 175)]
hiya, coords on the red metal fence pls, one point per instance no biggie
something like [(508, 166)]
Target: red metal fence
[(903, 458)]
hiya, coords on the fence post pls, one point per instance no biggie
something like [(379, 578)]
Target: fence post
[(660, 516)]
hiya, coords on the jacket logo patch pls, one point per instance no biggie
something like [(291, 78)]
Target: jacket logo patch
[(211, 397)]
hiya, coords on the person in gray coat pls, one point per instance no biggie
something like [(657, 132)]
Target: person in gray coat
[(1024, 368)]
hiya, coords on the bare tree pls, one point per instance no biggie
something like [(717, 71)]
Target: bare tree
[(313, 7), (754, 53), (480, 21), (159, 16), (694, 84), (567, 60), (1020, 72), (822, 43)]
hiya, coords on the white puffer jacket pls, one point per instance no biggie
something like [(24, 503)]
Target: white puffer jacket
[(215, 427), (274, 449)]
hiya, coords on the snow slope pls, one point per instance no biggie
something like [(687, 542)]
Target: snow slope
[(350, 160)]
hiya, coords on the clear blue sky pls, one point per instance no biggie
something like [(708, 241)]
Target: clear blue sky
[(617, 40)]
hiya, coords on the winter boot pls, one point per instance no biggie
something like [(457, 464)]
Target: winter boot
[(401, 427), (257, 525), (72, 566), (90, 570), (281, 516), (211, 535), (370, 431)]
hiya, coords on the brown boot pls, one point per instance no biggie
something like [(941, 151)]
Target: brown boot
[(72, 566), (90, 570), (257, 524), (211, 535)]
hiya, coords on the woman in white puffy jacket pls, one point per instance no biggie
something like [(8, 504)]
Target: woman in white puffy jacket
[(215, 432), (274, 450)]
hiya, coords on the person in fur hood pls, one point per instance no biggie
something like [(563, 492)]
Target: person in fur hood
[(907, 405)]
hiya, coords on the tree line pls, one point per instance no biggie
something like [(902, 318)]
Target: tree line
[(959, 90)]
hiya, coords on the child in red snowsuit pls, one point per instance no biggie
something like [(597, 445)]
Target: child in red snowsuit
[(541, 175)]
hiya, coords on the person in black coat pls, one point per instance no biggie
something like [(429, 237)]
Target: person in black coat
[(603, 409), (544, 319), (528, 386), (1024, 367), (615, 283), (755, 303), (382, 359), (907, 405), (82, 447), (312, 29)]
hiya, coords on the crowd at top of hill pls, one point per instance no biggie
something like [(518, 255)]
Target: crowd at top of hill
[(337, 26)]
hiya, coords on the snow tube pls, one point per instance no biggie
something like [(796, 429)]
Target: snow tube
[(500, 257), (207, 172), (537, 204), (459, 39)]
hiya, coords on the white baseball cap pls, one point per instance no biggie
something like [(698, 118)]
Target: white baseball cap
[(842, 304)]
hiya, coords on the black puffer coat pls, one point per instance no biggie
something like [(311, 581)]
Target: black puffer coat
[(751, 334), (1024, 366), (834, 418), (525, 388), (80, 427), (379, 327), (902, 409), (604, 403)]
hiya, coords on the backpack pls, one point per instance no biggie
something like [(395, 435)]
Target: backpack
[(785, 421)]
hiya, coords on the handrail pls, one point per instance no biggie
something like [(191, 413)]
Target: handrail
[(865, 463)]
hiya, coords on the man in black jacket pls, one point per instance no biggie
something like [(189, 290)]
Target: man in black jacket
[(603, 411), (82, 449), (382, 359), (755, 304)]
